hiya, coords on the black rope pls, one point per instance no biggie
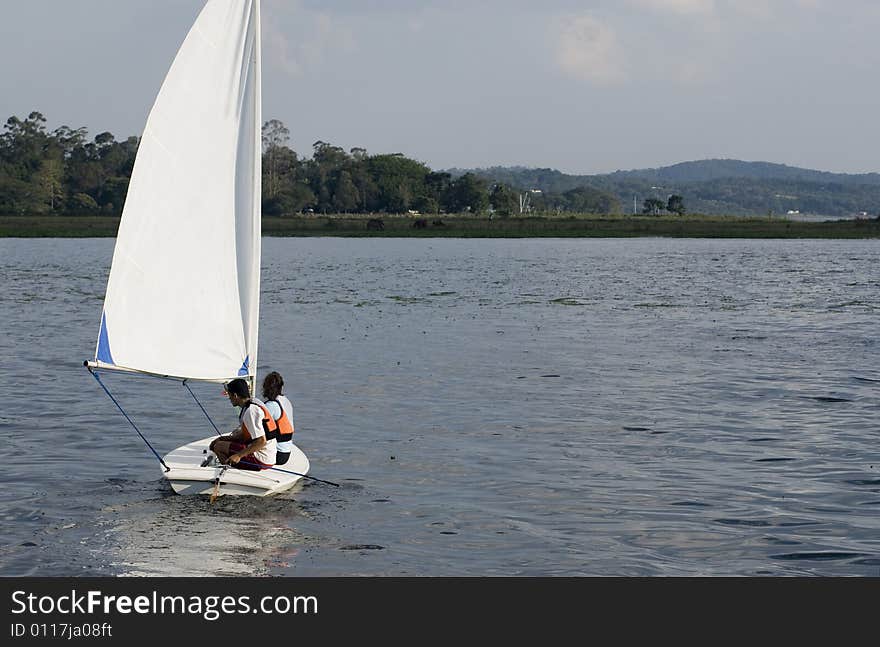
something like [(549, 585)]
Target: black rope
[(95, 375), (202, 408), (278, 469)]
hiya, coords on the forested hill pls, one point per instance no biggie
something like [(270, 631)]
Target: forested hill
[(716, 186), (717, 169)]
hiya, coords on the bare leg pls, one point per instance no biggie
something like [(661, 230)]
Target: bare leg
[(223, 449), (227, 437)]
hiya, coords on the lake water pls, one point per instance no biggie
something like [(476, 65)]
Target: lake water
[(659, 407)]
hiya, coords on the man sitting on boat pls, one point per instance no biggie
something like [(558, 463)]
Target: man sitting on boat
[(252, 445)]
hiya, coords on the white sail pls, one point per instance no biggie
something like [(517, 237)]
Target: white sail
[(183, 292)]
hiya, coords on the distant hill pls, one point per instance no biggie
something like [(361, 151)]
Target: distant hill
[(714, 186), (718, 169)]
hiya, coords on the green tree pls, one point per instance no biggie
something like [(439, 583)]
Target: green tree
[(68, 139), (281, 176), (111, 196), (468, 193), (437, 188), (276, 155), (301, 197), (427, 204), (399, 181), (345, 196), (16, 196), (24, 144), (504, 200), (100, 169), (323, 172), (29, 179), (653, 206), (585, 199), (675, 204), (360, 176), (50, 182), (83, 203)]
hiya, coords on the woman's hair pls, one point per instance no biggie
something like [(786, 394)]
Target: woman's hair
[(272, 385)]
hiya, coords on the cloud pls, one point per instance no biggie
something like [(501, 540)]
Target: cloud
[(678, 6), (416, 24), (278, 49), (587, 49), (297, 38)]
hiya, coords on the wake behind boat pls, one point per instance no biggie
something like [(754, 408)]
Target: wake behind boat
[(183, 294)]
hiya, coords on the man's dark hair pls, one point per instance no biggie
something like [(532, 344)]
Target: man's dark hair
[(239, 387)]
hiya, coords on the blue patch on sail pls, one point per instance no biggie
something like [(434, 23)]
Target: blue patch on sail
[(103, 354), (244, 367)]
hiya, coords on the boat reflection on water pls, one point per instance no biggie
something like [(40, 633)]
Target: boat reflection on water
[(174, 536)]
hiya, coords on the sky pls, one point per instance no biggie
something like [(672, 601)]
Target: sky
[(584, 87)]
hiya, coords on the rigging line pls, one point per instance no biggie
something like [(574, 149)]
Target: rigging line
[(202, 408), (278, 469), (95, 375)]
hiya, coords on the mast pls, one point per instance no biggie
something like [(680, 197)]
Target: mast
[(257, 184)]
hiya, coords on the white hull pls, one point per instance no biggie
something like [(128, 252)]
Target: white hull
[(188, 477)]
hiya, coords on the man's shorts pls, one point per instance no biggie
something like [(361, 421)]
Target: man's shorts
[(248, 462)]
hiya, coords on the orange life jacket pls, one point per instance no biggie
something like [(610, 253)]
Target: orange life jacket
[(269, 426), (284, 425)]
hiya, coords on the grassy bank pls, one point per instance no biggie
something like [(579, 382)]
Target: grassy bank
[(58, 226), (481, 227)]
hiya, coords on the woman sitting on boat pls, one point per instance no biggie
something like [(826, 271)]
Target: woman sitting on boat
[(252, 445), (281, 409)]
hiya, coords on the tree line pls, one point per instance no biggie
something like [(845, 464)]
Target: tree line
[(64, 172), (336, 181)]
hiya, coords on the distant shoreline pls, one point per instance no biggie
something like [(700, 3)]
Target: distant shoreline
[(466, 226)]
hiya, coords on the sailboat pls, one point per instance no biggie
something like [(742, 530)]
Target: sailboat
[(183, 293)]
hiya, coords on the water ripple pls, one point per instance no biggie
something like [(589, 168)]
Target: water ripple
[(644, 407)]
